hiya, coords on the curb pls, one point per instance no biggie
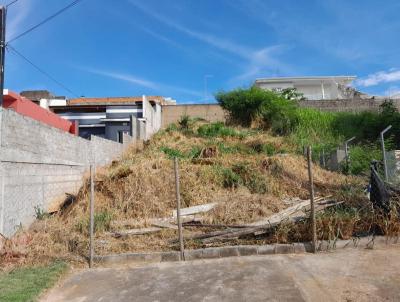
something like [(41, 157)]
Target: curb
[(247, 250)]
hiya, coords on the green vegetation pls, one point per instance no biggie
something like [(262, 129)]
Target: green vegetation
[(324, 131), (102, 222), (242, 174), (184, 122), (230, 178), (250, 178), (247, 106), (194, 152), (26, 284), (40, 214), (172, 152), (260, 147), (218, 130)]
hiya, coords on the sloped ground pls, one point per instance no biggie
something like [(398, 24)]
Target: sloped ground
[(249, 173)]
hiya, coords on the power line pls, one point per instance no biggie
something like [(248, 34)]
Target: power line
[(11, 3), (45, 20), (40, 70)]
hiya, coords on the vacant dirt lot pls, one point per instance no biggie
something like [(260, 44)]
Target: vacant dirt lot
[(350, 275)]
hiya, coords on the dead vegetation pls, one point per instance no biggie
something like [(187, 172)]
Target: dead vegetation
[(250, 174)]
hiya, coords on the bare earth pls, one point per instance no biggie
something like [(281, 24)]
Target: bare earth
[(346, 275)]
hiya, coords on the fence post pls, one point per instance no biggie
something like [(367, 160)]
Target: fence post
[(384, 152), (346, 151), (311, 189), (91, 229), (178, 209)]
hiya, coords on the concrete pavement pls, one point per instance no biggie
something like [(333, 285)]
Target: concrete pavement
[(346, 275)]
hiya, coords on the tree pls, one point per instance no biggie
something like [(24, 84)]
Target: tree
[(292, 94), (387, 108)]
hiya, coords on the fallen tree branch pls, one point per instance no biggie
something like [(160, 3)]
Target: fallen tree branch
[(293, 213)]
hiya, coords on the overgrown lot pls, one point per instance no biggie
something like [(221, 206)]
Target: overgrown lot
[(252, 169)]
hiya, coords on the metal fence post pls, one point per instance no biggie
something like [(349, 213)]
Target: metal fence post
[(91, 228), (311, 189), (178, 209), (346, 150), (384, 152)]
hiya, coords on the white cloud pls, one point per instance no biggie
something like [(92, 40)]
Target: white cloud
[(255, 60), (160, 37), (124, 77), (262, 61), (161, 87), (212, 40), (374, 79)]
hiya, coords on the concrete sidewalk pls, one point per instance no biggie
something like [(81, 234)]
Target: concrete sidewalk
[(347, 275)]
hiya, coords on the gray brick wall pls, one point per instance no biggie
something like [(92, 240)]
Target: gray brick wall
[(40, 164)]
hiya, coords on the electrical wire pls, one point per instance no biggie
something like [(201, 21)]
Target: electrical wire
[(45, 20), (11, 3), (41, 70)]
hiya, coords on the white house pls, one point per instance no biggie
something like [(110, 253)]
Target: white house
[(313, 88)]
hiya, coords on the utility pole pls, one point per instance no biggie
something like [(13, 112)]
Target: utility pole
[(3, 12)]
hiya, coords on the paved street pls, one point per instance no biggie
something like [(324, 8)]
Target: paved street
[(347, 275)]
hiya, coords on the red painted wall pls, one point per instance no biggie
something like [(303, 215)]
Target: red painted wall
[(26, 107)]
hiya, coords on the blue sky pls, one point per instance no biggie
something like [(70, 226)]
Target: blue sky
[(169, 48)]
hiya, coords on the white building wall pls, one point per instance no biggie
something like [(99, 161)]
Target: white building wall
[(275, 86), (151, 117), (313, 88), (317, 92)]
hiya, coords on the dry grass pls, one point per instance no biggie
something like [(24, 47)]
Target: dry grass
[(141, 186)]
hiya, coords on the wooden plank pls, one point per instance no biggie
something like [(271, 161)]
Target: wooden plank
[(164, 224), (291, 214), (196, 209), (204, 225), (133, 232), (153, 221), (284, 213)]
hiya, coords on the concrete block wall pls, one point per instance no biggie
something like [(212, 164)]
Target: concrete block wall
[(214, 112), (103, 151), (209, 112), (352, 105), (40, 164)]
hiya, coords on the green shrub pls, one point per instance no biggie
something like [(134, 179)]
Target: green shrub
[(171, 128), (218, 129), (234, 148), (259, 147), (230, 178), (248, 105), (194, 152), (172, 153), (250, 178), (40, 213), (184, 122), (361, 157), (102, 222)]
